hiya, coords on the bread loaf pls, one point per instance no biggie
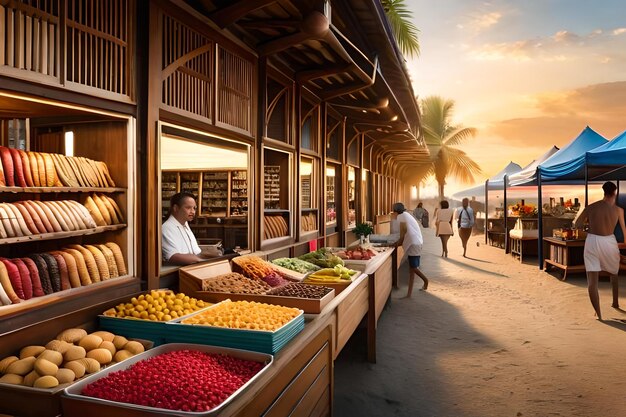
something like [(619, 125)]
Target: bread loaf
[(119, 258), (62, 266), (73, 214), (116, 207), (28, 176), (65, 224), (34, 277), (7, 164), (17, 166), (84, 214), (14, 278), (56, 227), (81, 266), (34, 168), (2, 180), (52, 180), (105, 171), (109, 208), (6, 222), (72, 269), (28, 219), (41, 168), (94, 211), (37, 212), (44, 276), (90, 262), (101, 262), (9, 292), (53, 271), (110, 259), (102, 209), (19, 219), (27, 285)]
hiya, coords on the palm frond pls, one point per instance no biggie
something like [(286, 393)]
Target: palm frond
[(460, 135), (404, 30), (461, 166)]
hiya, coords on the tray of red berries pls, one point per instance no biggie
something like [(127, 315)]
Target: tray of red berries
[(173, 379)]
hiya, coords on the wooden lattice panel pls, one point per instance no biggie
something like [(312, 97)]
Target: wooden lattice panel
[(187, 69), (98, 52), (29, 36), (234, 92)]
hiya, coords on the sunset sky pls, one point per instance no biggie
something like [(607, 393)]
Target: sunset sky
[(527, 74)]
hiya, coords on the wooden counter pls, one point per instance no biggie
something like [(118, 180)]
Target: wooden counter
[(566, 255)]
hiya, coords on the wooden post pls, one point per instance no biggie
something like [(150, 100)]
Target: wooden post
[(539, 220), (486, 211), (257, 212)]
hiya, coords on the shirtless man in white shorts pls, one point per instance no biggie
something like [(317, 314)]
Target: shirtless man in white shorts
[(601, 248)]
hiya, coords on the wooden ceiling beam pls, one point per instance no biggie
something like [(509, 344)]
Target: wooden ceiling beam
[(230, 14), (314, 26), (315, 73)]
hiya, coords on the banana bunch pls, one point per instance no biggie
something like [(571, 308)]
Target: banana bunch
[(337, 274)]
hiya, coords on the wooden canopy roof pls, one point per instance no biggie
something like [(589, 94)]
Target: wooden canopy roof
[(344, 53)]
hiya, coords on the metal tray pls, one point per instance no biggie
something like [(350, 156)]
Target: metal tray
[(73, 393)]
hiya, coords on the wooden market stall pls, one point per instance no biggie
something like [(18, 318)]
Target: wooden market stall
[(290, 122)]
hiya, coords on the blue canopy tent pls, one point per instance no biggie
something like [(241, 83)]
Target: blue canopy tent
[(608, 162), (565, 166)]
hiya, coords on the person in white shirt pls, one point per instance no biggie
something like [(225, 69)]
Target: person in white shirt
[(178, 243), (411, 240), (465, 222)]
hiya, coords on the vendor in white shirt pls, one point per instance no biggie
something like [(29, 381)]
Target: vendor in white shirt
[(178, 244)]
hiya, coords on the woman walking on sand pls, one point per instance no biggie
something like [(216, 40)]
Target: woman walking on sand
[(443, 225)]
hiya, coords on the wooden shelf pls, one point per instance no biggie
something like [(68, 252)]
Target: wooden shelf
[(62, 189), (61, 235), (60, 296)]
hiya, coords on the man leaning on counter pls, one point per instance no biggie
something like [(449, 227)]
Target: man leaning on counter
[(178, 244)]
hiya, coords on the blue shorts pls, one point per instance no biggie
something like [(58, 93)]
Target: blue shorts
[(414, 261)]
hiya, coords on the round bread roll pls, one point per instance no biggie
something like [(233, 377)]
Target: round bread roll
[(27, 351), (90, 342), (71, 335)]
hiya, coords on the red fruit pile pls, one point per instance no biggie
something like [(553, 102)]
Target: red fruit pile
[(184, 380), (274, 279)]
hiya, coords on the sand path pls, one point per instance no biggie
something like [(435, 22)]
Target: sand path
[(491, 337)]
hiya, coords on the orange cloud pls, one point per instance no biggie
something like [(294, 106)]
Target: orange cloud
[(562, 115)]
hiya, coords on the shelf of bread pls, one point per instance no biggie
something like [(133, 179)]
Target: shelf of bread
[(26, 280), (35, 190)]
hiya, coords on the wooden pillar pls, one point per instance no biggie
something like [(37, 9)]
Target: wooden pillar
[(322, 143), (256, 217), (539, 219)]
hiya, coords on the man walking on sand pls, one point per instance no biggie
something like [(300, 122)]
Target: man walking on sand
[(601, 249), (465, 220), (411, 240)]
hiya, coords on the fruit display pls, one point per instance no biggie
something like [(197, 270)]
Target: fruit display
[(183, 380), (357, 253), (45, 273), (158, 305), (39, 169), (296, 264), (71, 355), (244, 315), (331, 275), (300, 290), (252, 266), (234, 283), (274, 279), (323, 258)]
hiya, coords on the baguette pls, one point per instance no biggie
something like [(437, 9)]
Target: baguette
[(101, 262), (102, 208), (110, 259), (17, 230), (28, 176), (27, 284), (84, 214), (65, 215), (104, 169), (72, 269), (7, 163), (119, 257), (44, 276), (52, 180), (6, 290), (56, 227), (34, 277), (73, 214), (58, 222), (15, 279), (28, 218), (90, 262), (6, 222), (18, 169), (20, 219), (91, 206), (39, 213), (81, 266), (53, 271), (63, 273), (34, 168), (41, 168), (109, 207)]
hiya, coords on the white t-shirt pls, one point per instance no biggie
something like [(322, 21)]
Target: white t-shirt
[(466, 215), (413, 239), (177, 238)]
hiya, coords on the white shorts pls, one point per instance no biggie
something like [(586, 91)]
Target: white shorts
[(601, 254)]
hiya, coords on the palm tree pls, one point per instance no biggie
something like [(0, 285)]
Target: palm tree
[(441, 137), (404, 29)]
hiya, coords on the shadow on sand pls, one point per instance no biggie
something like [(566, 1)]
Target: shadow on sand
[(473, 268), (407, 379)]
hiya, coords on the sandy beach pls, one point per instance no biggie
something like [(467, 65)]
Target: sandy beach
[(490, 337)]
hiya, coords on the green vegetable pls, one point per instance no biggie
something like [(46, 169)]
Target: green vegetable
[(322, 257), (296, 264)]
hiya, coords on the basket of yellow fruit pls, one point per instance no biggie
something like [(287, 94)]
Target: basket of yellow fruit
[(145, 316), (245, 325)]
